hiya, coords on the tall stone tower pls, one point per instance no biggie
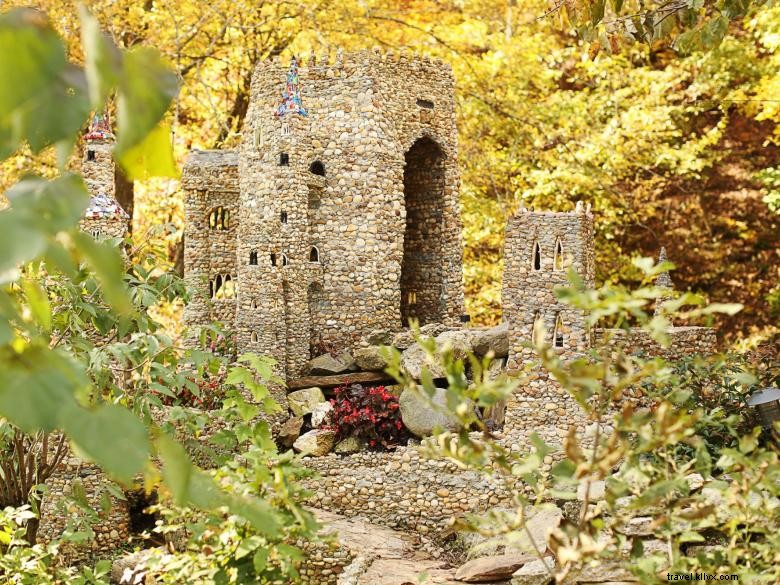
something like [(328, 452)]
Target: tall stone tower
[(343, 214), (540, 249), (104, 217)]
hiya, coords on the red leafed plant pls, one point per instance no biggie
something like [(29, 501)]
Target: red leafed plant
[(370, 414)]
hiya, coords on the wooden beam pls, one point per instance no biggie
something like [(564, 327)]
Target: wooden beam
[(338, 380)]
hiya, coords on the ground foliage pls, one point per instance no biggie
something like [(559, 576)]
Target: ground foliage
[(690, 419)]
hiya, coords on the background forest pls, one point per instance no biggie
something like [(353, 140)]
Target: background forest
[(672, 147)]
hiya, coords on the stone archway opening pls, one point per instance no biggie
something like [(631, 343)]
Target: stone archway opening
[(423, 265)]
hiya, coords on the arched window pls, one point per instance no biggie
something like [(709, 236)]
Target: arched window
[(537, 256), (219, 218), (537, 334), (314, 254), (211, 289), (273, 259), (558, 258), (96, 233), (223, 287), (285, 129), (90, 155), (317, 168), (253, 258), (558, 331), (216, 290), (283, 217), (253, 337), (229, 288), (284, 260), (284, 159), (253, 305)]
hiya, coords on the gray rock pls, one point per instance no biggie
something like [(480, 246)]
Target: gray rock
[(321, 414), (415, 359), (370, 358), (695, 481), (538, 572), (303, 401), (495, 339), (326, 365), (403, 340), (349, 362), (433, 329), (290, 431), (380, 337), (606, 570), (348, 445), (638, 526), (598, 489), (316, 443), (493, 568), (421, 418), (540, 522)]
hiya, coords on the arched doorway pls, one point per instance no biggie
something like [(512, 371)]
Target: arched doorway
[(422, 269)]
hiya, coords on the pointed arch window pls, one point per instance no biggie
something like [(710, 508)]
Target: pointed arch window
[(536, 256), (253, 337), (558, 258), (314, 254), (253, 305), (253, 258), (219, 218), (558, 331), (96, 233), (273, 259), (285, 262)]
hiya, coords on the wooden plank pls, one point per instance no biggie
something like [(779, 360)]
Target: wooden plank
[(338, 380)]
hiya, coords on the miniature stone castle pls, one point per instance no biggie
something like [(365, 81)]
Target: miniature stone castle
[(337, 215)]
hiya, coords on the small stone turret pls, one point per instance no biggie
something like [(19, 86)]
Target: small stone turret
[(663, 281), (540, 249), (104, 217)]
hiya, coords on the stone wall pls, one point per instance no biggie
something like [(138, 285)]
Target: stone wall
[(344, 210), (112, 528), (210, 183), (97, 167), (400, 489), (683, 341)]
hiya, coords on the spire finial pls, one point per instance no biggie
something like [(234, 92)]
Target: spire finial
[(291, 96)]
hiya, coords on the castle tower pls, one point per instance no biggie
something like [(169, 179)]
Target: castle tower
[(664, 282), (104, 217), (343, 207), (540, 249)]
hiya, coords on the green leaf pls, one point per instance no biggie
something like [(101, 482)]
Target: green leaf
[(152, 157), (177, 468), (112, 437), (106, 261), (102, 60), (38, 303), (146, 88)]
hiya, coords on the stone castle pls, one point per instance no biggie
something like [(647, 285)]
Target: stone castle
[(337, 215)]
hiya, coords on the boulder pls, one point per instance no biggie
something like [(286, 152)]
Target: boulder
[(495, 339), (379, 337), (421, 418), (348, 445), (598, 489), (695, 481), (349, 362), (326, 365), (403, 339), (538, 572), (321, 414), (415, 359), (370, 358), (605, 570), (303, 401), (290, 431), (433, 329), (316, 443), (494, 568), (540, 522)]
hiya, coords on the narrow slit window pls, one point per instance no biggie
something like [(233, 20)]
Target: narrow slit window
[(258, 137), (285, 129), (253, 337), (273, 259), (253, 258), (285, 262), (558, 332), (211, 289), (283, 217), (314, 254), (537, 256), (412, 298), (90, 155), (558, 259), (537, 334), (284, 160), (254, 304)]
